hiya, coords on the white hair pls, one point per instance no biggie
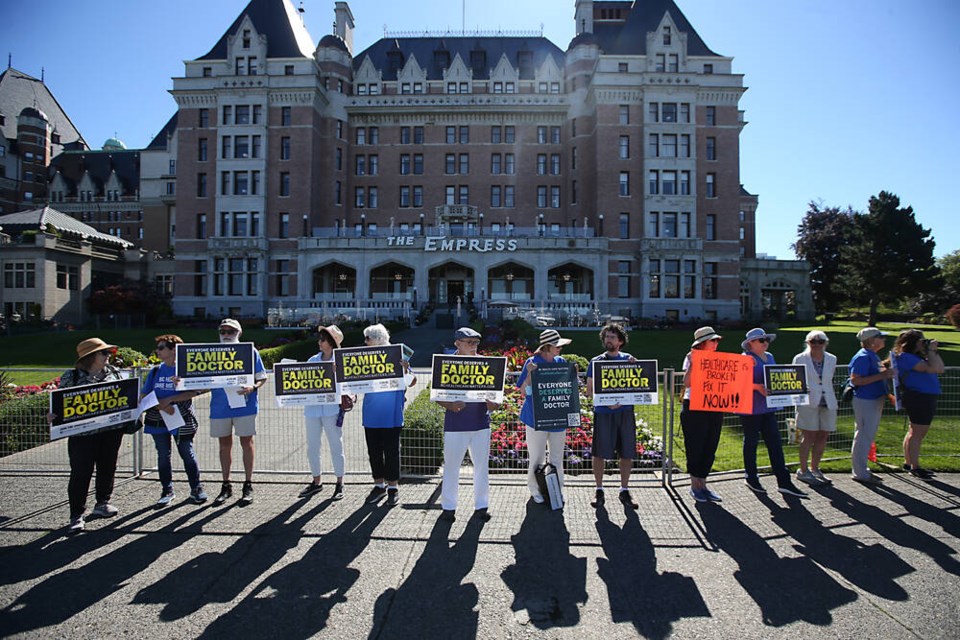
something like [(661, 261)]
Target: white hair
[(378, 334), (816, 334)]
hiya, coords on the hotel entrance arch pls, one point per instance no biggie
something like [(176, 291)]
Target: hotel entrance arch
[(449, 281), (334, 282), (511, 281)]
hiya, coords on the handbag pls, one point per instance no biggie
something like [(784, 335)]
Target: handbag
[(846, 394), (549, 483)]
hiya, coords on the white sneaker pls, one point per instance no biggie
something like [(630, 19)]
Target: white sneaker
[(822, 478), (76, 525), (105, 510), (165, 498), (808, 477)]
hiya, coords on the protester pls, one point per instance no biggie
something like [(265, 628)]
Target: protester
[(320, 419), (382, 422), (225, 420), (97, 449), (763, 420), (817, 420), (466, 425), (160, 381), (614, 427), (701, 429), (537, 441), (917, 362), (869, 378)]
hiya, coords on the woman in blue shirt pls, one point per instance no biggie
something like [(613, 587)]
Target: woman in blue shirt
[(917, 364), (869, 378)]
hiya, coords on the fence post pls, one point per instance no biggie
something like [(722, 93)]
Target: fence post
[(666, 472), (138, 438)]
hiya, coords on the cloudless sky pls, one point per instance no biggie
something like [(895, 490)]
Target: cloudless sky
[(846, 98)]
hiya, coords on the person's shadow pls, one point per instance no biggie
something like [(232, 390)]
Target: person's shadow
[(295, 601), (638, 593), (873, 568), (787, 590), (432, 602), (547, 581), (939, 516), (70, 592)]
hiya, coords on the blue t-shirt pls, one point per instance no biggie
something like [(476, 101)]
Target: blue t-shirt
[(383, 410), (919, 381), (526, 411), (866, 363), (604, 356), (320, 410), (220, 408), (474, 417), (160, 381), (760, 400)]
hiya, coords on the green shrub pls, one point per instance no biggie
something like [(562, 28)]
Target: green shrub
[(581, 362), (125, 357), (23, 423), (421, 439)]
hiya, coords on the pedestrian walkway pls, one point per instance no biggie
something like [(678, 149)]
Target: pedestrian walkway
[(851, 560)]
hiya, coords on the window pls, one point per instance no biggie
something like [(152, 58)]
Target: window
[(201, 226), (361, 136), (554, 135), (541, 135), (450, 164), (685, 145), (711, 185), (373, 197), (418, 135), (711, 148), (689, 279), (542, 87), (498, 87), (655, 278), (555, 197), (555, 164), (711, 113), (541, 164), (464, 135), (451, 137), (653, 112), (624, 114), (404, 164), (284, 184), (68, 277), (359, 198), (542, 196), (285, 148), (623, 67), (624, 226), (671, 279), (283, 277), (669, 228), (288, 69), (201, 185), (509, 164), (509, 134), (203, 118), (284, 229), (338, 192), (417, 196), (257, 113), (673, 63), (743, 233), (660, 64), (684, 183), (684, 230), (202, 150), (573, 158), (623, 279), (464, 162), (227, 114), (338, 161), (286, 116), (496, 135), (625, 147), (708, 69), (653, 182), (669, 183), (360, 165), (669, 112), (373, 165), (450, 195), (496, 196), (711, 226), (685, 112), (374, 135), (463, 195), (224, 183), (573, 192), (496, 164), (339, 129), (666, 36), (199, 277), (242, 114), (624, 183), (653, 224), (418, 164), (241, 147), (710, 273), (509, 196), (668, 147), (653, 145), (241, 183), (404, 197), (404, 135)]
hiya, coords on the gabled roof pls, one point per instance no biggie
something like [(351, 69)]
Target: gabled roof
[(493, 47), (630, 38), (39, 219), (159, 141), (287, 37), (19, 91), (100, 164)]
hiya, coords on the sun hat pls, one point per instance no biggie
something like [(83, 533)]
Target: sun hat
[(92, 345), (334, 332), (870, 332), (552, 337), (230, 322), (703, 334), (465, 333), (756, 334)]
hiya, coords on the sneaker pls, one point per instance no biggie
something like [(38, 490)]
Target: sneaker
[(538, 499), (754, 483), (808, 477), (870, 479), (712, 495), (375, 494), (700, 495), (310, 489), (105, 510), (246, 497), (628, 500), (822, 478), (76, 525), (923, 474), (338, 492), (791, 489), (447, 515), (198, 496), (165, 498), (226, 492), (393, 497), (599, 500), (482, 514)]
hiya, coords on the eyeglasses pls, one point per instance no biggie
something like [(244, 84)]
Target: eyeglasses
[(105, 354), (161, 347), (817, 341), (227, 332)]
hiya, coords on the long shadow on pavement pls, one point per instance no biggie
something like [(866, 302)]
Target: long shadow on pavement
[(548, 583), (940, 516), (786, 589), (638, 593), (69, 592), (432, 602)]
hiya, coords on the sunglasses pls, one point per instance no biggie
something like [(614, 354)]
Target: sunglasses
[(763, 340), (473, 343), (227, 332), (714, 340), (818, 341)]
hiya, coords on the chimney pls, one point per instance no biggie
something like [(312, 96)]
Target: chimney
[(344, 24)]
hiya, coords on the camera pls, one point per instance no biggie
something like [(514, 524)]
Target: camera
[(926, 343)]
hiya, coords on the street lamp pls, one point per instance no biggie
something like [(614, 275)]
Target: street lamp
[(600, 229), (363, 224), (541, 224), (481, 223), (423, 230)]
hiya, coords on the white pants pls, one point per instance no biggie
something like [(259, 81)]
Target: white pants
[(537, 442), (315, 428), (455, 445), (866, 414)]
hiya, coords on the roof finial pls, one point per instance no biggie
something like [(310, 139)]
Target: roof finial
[(43, 72), (9, 60)]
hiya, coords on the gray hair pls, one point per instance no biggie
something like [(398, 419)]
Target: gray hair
[(816, 334), (378, 334)]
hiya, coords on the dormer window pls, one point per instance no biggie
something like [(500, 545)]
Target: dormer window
[(667, 36), (246, 38)]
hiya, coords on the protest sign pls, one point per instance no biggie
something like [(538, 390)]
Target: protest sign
[(305, 383), (467, 378), (555, 394), (624, 382), (369, 369), (214, 365), (721, 382), (786, 385), (93, 406)]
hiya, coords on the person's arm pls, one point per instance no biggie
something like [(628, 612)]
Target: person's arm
[(933, 362), (861, 380)]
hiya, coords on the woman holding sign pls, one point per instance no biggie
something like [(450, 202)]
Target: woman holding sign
[(763, 420), (97, 449), (537, 441), (918, 364), (701, 429), (817, 420)]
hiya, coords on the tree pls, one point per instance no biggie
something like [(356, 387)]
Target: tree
[(950, 269), (890, 257), (822, 234)]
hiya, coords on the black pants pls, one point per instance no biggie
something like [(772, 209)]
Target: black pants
[(97, 450), (383, 446), (701, 436)]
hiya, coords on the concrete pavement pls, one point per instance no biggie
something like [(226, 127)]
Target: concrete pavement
[(850, 561)]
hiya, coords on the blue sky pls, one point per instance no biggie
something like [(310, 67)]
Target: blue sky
[(845, 98)]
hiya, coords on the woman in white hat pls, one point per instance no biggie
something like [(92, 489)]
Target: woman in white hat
[(817, 420), (701, 429), (537, 441)]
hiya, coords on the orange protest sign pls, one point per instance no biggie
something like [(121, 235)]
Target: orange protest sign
[(721, 382)]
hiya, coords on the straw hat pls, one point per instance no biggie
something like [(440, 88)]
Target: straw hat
[(92, 345), (334, 332), (703, 334)]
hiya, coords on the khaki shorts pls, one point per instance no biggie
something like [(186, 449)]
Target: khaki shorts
[(816, 418), (243, 426)]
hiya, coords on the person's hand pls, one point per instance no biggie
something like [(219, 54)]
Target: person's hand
[(932, 346), (492, 406), (531, 367), (458, 406), (245, 391), (759, 388), (51, 417), (887, 374)]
